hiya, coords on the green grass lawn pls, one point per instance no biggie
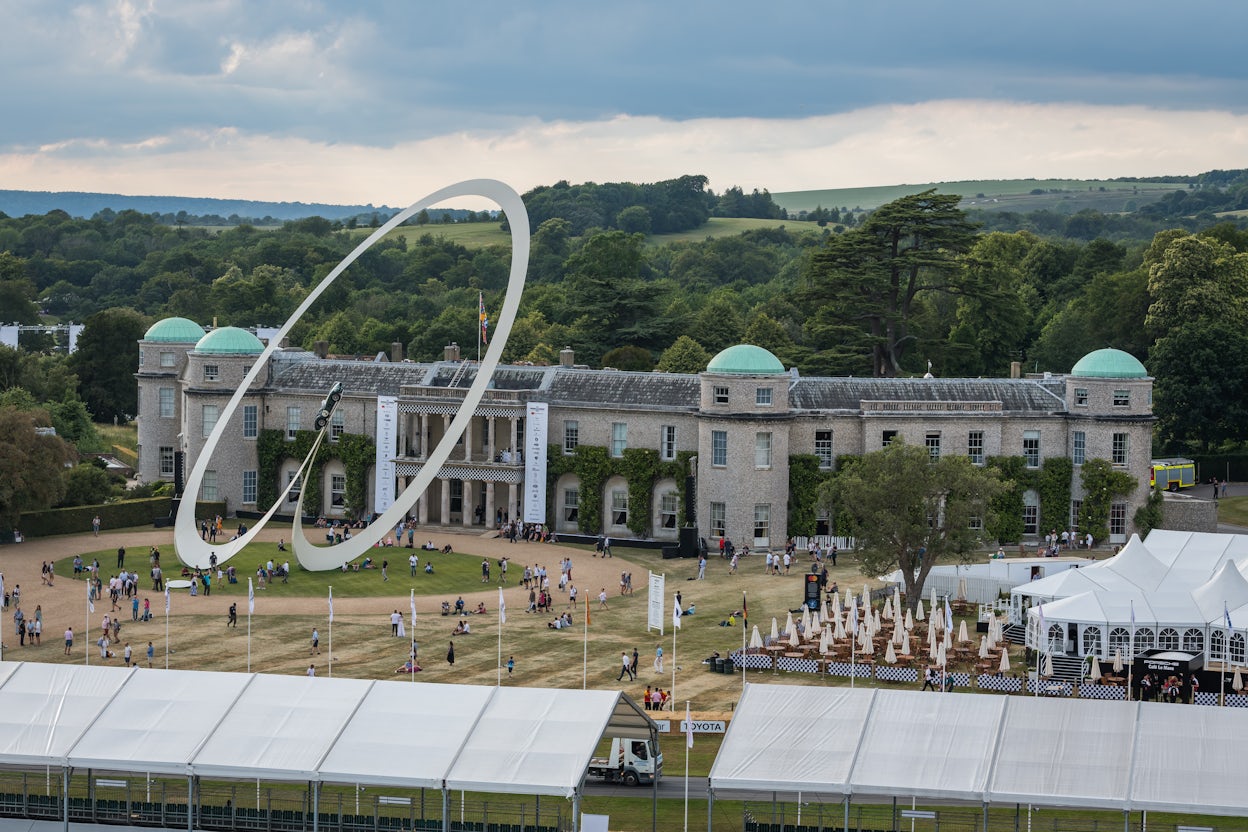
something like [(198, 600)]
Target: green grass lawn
[(1233, 510), (453, 573)]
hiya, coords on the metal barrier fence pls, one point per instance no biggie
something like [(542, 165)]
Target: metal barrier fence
[(902, 817), (135, 800)]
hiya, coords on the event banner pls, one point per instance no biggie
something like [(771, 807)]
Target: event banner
[(537, 415), (654, 611), (387, 443)]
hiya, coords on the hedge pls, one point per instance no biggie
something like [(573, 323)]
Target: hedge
[(120, 515)]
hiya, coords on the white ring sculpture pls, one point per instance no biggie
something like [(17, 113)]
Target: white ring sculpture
[(196, 553)]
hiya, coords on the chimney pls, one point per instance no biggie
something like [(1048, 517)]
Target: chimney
[(321, 348), (567, 357), (1016, 369), (450, 352), (396, 352)]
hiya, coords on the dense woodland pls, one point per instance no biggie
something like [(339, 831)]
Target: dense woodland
[(915, 283)]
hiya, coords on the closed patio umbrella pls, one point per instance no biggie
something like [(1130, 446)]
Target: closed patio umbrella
[(1237, 684), (931, 641), (909, 622), (756, 638), (805, 619), (905, 643), (962, 588), (962, 634), (983, 647), (867, 646), (775, 630), (888, 608), (948, 640), (918, 613), (794, 641), (815, 622), (890, 655), (788, 623), (1048, 665), (942, 656), (1094, 673), (839, 632), (1004, 667), (824, 641), (1117, 659), (877, 625)]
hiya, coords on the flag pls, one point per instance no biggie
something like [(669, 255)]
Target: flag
[(676, 614), (745, 613), (853, 615), (166, 600), (251, 598), (688, 728), (1041, 632), (948, 615), (413, 604), (1133, 612), (331, 605), (1227, 615), (502, 606), (484, 319), (90, 599), (587, 613)]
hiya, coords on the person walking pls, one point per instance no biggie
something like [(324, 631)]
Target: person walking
[(395, 618), (121, 557), (95, 525), (511, 664), (69, 639), (311, 670), (232, 620), (316, 643), (636, 663), (385, 570), (151, 651), (450, 654), (702, 567), (658, 658), (625, 667), (602, 599)]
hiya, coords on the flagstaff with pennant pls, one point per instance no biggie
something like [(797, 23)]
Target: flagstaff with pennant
[(329, 655), (745, 626), (167, 651), (251, 609), (86, 634), (483, 330), (585, 651), (688, 748), (677, 612), (412, 603), (502, 619)]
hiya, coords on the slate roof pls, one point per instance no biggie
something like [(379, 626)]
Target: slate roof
[(357, 377), (617, 388), (1015, 395), (506, 377)]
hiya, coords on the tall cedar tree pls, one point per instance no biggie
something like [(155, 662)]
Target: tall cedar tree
[(866, 282)]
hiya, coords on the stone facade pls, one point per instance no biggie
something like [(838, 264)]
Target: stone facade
[(741, 426)]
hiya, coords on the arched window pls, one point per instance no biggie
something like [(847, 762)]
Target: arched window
[(1091, 641), (1217, 645), (1168, 639), (1193, 640), (1057, 638), (1120, 641), (1144, 638), (1237, 648)]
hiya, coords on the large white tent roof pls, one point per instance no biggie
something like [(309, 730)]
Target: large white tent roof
[(293, 728), (980, 748)]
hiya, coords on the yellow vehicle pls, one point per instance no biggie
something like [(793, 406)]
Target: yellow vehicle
[(1172, 473)]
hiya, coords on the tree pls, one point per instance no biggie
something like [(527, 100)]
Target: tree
[(86, 485), (910, 512), (865, 283), (629, 358), (30, 464), (634, 219), (684, 356), (1200, 395), (606, 297), (106, 360)]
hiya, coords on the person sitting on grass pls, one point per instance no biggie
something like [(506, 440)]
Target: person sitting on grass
[(563, 622), (480, 610), (429, 568), (409, 667), (462, 629), (446, 550), (446, 607)]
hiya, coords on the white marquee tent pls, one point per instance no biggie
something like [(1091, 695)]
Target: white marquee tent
[(841, 743), (297, 729)]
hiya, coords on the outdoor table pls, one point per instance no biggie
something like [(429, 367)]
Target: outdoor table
[(178, 584)]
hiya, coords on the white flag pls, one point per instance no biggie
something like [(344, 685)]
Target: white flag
[(251, 598), (331, 605), (166, 600), (502, 607), (688, 728), (676, 614), (90, 598), (413, 604)]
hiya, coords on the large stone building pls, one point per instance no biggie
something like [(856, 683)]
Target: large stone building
[(724, 437)]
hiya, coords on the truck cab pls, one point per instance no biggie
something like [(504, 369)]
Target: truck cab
[(632, 760)]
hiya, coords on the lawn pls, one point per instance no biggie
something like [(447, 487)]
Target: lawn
[(1233, 511)]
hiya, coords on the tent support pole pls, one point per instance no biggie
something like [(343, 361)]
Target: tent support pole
[(576, 811), (985, 816), (190, 803), (1126, 820), (894, 813), (65, 795), (1018, 809), (316, 806), (710, 803), (537, 811), (446, 809), (654, 779), (845, 827)]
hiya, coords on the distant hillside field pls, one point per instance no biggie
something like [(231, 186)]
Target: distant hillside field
[(998, 194)]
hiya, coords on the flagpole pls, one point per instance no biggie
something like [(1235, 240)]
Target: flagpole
[(688, 748), (251, 607), (412, 601), (745, 624), (585, 650), (86, 634), (1226, 647), (329, 656), (502, 615), (166, 626), (1131, 665), (676, 612)]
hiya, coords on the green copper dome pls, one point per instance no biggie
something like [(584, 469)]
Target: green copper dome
[(1109, 363), (231, 340), (745, 359), (174, 331)]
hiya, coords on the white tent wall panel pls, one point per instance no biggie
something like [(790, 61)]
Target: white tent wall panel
[(161, 718), (1049, 750), (405, 734), (927, 746), (45, 708), (1189, 759), (281, 728), (810, 734)]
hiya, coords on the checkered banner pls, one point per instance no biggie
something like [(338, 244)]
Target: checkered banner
[(887, 673), (797, 664), (1206, 698), (1051, 688), (1091, 691), (859, 671), (1006, 684)]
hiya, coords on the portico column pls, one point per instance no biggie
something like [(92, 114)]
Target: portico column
[(423, 439), (468, 502), (489, 506), (422, 508), (511, 500), (490, 440), (468, 441), (446, 501), (514, 437)]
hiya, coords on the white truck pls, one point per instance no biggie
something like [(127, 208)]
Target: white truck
[(632, 760)]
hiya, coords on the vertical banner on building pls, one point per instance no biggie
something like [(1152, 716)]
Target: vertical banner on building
[(654, 609), (537, 415), (9, 336), (387, 442)]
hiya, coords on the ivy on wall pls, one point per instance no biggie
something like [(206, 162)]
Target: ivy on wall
[(641, 468), (356, 452), (805, 480), (1005, 523), (1053, 486)]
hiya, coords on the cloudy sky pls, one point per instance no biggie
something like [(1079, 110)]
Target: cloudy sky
[(385, 101)]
